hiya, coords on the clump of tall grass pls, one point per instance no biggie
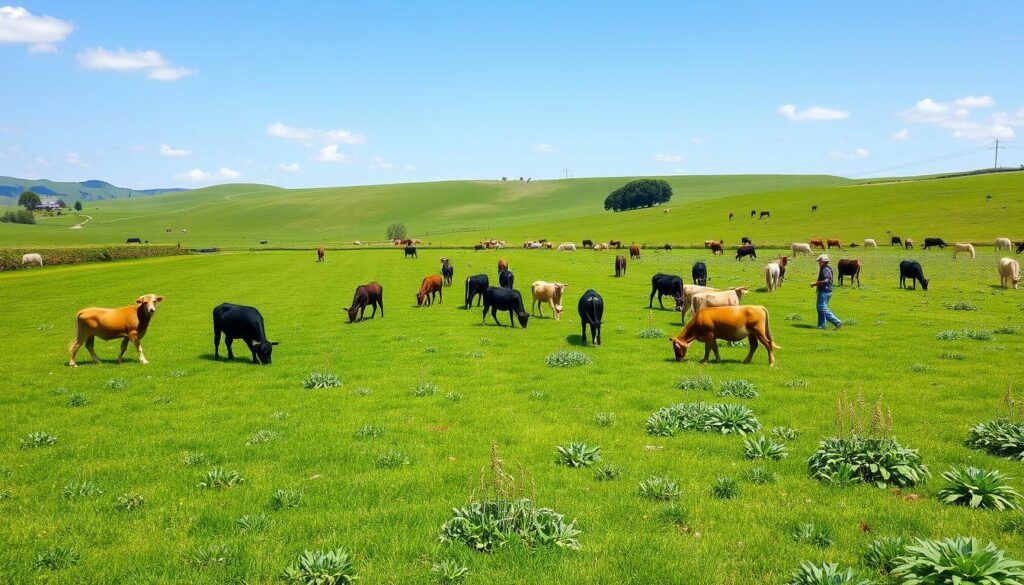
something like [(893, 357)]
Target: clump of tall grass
[(116, 384), (317, 380), (659, 487), (701, 382), (567, 359), (604, 419), (219, 478), (38, 439), (79, 490), (811, 533), (320, 567), (261, 436), (725, 488), (56, 558), (957, 334), (424, 388), (393, 458), (651, 333), (284, 499), (129, 501), (961, 306), (737, 388)]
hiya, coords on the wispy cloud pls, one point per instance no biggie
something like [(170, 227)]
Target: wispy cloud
[(903, 134), (543, 148), (174, 152), (811, 114), (73, 158), (201, 176), (378, 163), (312, 136), (669, 158), (330, 154), (150, 63), (19, 26), (957, 115), (289, 167), (856, 154)]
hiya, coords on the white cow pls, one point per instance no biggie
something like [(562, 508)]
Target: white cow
[(550, 292), (600, 247), (966, 248), (799, 248), (725, 298), (566, 247), (1003, 244), (869, 243), (31, 258), (773, 276), (683, 304), (357, 243), (535, 245), (1009, 269)]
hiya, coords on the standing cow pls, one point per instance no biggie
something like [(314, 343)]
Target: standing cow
[(799, 248), (699, 273), (447, 272), (665, 285), (410, 252), (591, 310), (502, 265), (775, 273), (936, 242), (1009, 270), (620, 265), (320, 253), (869, 243), (31, 259), (963, 248), (506, 279), (747, 250), (504, 299), (849, 268), (366, 294), (549, 292), (476, 285), (895, 241), (729, 324), (634, 252), (126, 323), (1003, 244), (245, 323), (911, 269)]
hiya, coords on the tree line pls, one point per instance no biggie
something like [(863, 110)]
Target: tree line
[(639, 194)]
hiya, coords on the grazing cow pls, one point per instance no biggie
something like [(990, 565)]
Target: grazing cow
[(504, 299), (476, 285), (699, 273), (849, 268), (536, 245), (665, 285), (620, 265), (908, 244), (415, 242), (746, 240), (730, 216), (753, 213), (634, 252), (717, 248), (127, 323), (591, 310), (1020, 247), (320, 253), (31, 259), (798, 248), (600, 247), (814, 208), (895, 241), (566, 247), (431, 285), (722, 298), (869, 243), (506, 279), (447, 272), (588, 243), (965, 248), (245, 323), (406, 242), (835, 244), (478, 247), (548, 245), (410, 252), (1003, 244), (747, 250), (366, 294), (911, 269), (502, 264), (357, 243), (133, 241), (817, 243), (765, 215), (263, 242), (1009, 270), (667, 246), (549, 292), (775, 273), (707, 243), (929, 242), (615, 244), (684, 302), (729, 324)]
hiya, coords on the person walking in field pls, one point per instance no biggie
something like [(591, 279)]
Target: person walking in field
[(824, 286)]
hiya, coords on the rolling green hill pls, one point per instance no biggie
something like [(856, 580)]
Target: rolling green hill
[(92, 190), (465, 212)]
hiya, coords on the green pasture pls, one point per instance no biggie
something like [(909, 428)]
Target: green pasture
[(140, 423)]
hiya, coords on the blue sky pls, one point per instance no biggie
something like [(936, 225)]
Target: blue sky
[(156, 94)]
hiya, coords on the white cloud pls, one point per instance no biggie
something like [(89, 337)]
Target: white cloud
[(330, 154), (811, 114), (542, 147), (152, 63), (985, 132), (289, 168), (857, 154), (378, 163), (201, 176), (975, 102), (668, 158), (18, 25), (409, 168), (956, 116), (311, 136), (1012, 119), (73, 158), (174, 152), (903, 134)]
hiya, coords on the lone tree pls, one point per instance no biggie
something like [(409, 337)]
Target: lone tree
[(62, 203), (29, 200), (396, 231), (78, 206), (638, 194)]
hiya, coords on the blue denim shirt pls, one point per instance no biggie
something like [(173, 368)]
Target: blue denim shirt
[(825, 274)]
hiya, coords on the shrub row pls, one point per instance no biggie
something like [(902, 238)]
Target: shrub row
[(10, 258)]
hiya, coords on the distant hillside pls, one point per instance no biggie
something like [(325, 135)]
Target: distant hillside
[(93, 190)]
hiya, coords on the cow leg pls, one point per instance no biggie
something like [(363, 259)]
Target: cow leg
[(596, 328), (252, 350), (440, 295), (659, 300), (650, 303), (707, 352), (583, 325), (228, 340), (753, 347), (494, 315), (216, 344), (124, 348), (74, 351), (134, 337), (381, 301), (89, 345)]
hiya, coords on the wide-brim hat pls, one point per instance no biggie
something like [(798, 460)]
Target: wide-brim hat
[(823, 258)]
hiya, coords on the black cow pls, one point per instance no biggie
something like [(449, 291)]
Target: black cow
[(410, 252), (506, 279), (133, 241), (245, 323), (699, 272), (929, 242), (476, 285), (746, 240), (447, 272), (505, 299), (667, 246), (753, 213), (912, 269), (1020, 247), (366, 294), (765, 215), (591, 309), (588, 243), (620, 265), (814, 208), (895, 241), (665, 285), (747, 250)]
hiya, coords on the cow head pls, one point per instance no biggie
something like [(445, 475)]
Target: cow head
[(924, 283), (419, 299), (740, 291), (679, 347), (263, 349), (523, 318), (352, 312), (148, 302)]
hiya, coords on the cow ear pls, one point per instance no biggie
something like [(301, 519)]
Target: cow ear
[(159, 299), (138, 301), (274, 342)]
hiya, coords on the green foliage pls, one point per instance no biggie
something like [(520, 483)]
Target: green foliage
[(659, 487), (55, 558), (10, 258), (919, 368), (369, 431), (961, 306), (85, 489), (762, 476), (280, 415), (320, 567), (29, 200), (77, 399), (651, 333), (883, 554), (454, 396), (196, 459), (396, 231), (78, 206), (321, 380), (701, 382), (878, 461), (824, 574), (956, 334), (567, 359), (737, 388), (253, 523), (38, 439), (211, 555), (393, 458), (795, 383), (20, 216), (784, 433), (116, 384), (675, 514), (284, 499), (701, 416), (957, 560), (362, 392), (732, 418), (810, 533), (424, 388), (604, 419), (1005, 330), (978, 488), (761, 447), (725, 488), (1001, 437), (607, 472), (129, 501), (260, 436), (638, 194), (449, 571), (794, 317), (218, 478), (489, 525), (577, 455)]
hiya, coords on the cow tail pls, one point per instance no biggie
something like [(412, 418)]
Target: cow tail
[(593, 313), (78, 332), (768, 331)]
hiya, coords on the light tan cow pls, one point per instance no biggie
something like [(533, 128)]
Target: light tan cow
[(964, 248), (1009, 270), (566, 247), (550, 293), (869, 243), (1003, 244), (799, 248), (724, 298), (126, 323), (31, 259), (730, 324)]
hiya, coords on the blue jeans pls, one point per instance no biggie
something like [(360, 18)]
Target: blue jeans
[(824, 314)]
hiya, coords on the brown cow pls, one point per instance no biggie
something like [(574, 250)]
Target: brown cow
[(431, 284), (634, 252), (817, 243), (614, 244), (730, 324), (366, 294), (502, 264), (717, 248), (620, 265), (849, 268), (835, 244), (320, 254), (129, 323)]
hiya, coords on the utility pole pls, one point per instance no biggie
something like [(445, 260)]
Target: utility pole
[(995, 165)]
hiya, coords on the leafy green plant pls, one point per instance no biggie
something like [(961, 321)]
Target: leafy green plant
[(449, 571), (280, 415), (424, 388), (129, 501), (732, 418), (567, 359), (675, 515), (956, 334), (218, 478), (321, 380), (701, 382), (116, 384), (952, 355), (38, 439), (810, 533), (253, 522), (1014, 524), (537, 395), (55, 558), (320, 567), (651, 333), (5, 495), (961, 306), (701, 416), (795, 383), (663, 423), (882, 462), (794, 317), (607, 472), (761, 475), (919, 368), (454, 396), (211, 555), (824, 574), (177, 374), (737, 388), (486, 526), (604, 419), (883, 554), (761, 447), (658, 487), (956, 560), (77, 399), (261, 436), (577, 455), (1001, 437), (284, 499), (725, 488), (784, 433), (196, 459), (393, 458), (978, 488), (162, 400), (1005, 330), (79, 490), (369, 431), (362, 392)]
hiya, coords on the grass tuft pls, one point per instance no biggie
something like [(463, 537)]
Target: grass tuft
[(567, 359), (321, 380)]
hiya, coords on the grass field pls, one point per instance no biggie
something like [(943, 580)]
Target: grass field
[(139, 423), (241, 216)]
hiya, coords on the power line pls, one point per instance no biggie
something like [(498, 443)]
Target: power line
[(995, 164), (928, 160)]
